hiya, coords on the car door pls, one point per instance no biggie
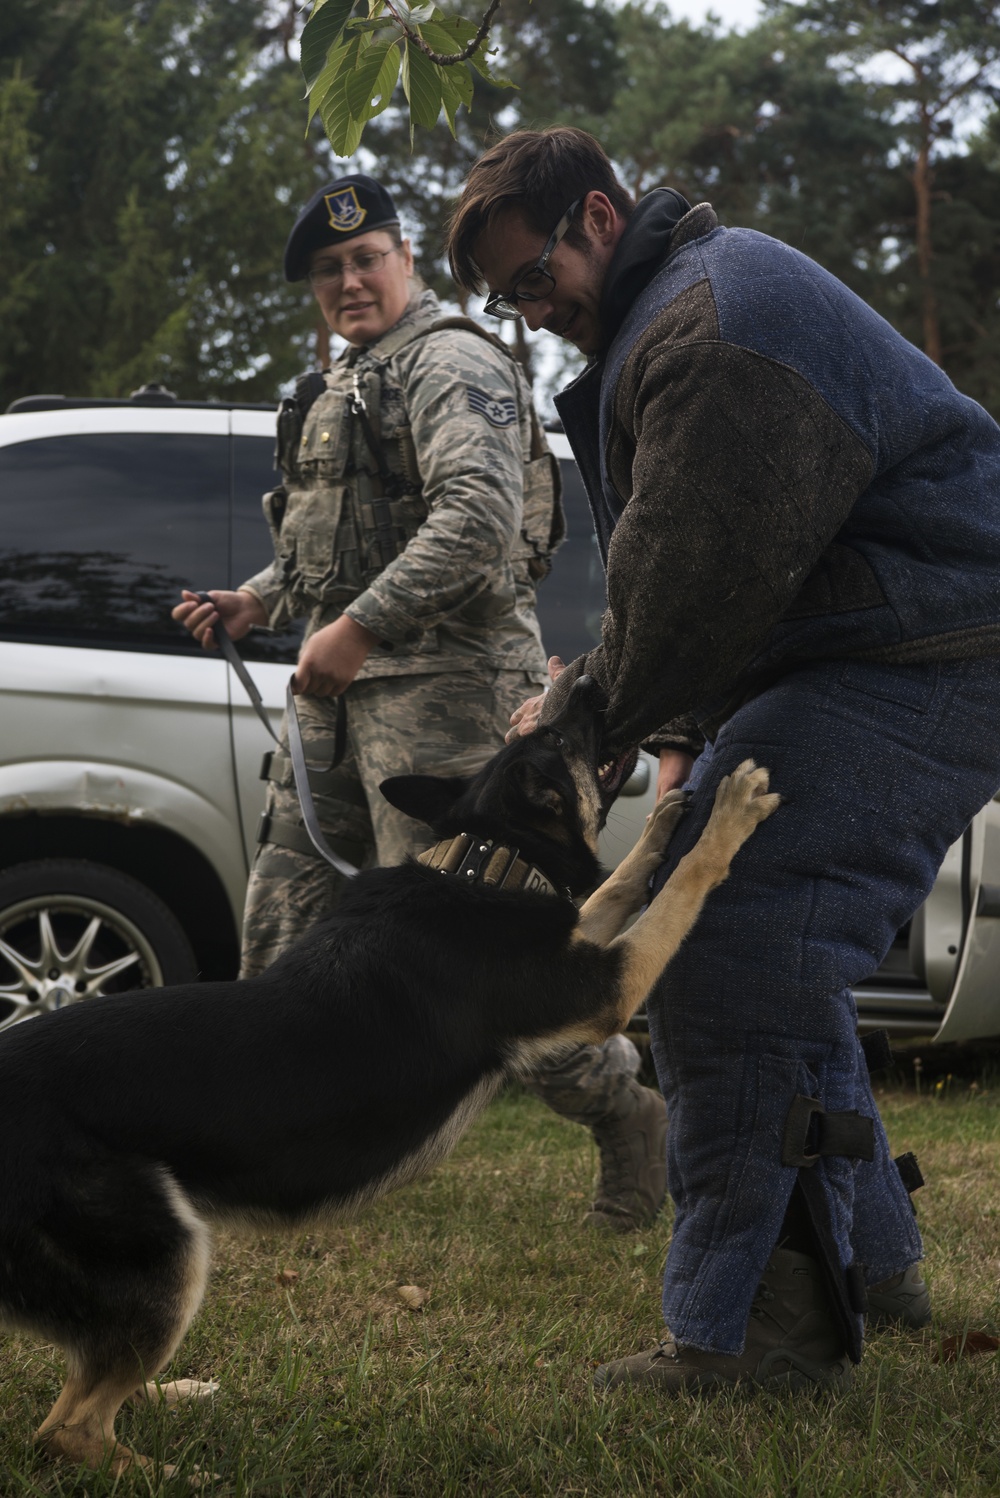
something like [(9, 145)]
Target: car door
[(270, 657), (109, 706)]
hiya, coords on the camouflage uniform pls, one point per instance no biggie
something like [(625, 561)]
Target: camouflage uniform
[(423, 724), (468, 481), (452, 605)]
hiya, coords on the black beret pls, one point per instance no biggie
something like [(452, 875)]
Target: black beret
[(339, 211)]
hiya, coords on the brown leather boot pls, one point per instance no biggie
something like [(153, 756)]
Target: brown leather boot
[(632, 1139), (792, 1342)]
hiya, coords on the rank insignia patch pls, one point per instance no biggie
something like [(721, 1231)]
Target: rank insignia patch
[(346, 213), (499, 413)]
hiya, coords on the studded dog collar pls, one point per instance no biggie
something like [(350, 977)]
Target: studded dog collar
[(482, 861)]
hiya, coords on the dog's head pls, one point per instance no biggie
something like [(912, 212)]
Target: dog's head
[(547, 792)]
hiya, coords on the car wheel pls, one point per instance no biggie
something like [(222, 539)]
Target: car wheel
[(71, 929)]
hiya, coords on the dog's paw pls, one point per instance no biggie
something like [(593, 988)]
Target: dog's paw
[(742, 801), (662, 820)]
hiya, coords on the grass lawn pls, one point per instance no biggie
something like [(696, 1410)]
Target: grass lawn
[(332, 1384)]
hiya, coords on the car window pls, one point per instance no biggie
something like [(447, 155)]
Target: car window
[(101, 530), (253, 475), (571, 600)]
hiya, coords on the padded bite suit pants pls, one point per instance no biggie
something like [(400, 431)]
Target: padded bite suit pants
[(881, 769)]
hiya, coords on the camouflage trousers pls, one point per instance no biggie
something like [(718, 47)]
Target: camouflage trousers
[(447, 724)]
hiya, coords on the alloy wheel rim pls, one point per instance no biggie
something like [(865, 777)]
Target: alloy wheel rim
[(62, 948)]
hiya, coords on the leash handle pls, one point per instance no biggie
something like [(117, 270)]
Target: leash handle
[(234, 659), (296, 750), (300, 773)]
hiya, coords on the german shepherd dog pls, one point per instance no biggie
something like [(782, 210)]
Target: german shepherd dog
[(132, 1122)]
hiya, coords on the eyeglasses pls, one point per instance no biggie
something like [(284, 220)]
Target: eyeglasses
[(367, 263), (537, 283)]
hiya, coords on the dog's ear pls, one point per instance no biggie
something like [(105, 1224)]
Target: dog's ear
[(426, 797), (524, 781)]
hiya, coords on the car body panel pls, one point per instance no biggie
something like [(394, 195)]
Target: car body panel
[(973, 1011), (149, 741), (37, 426), (146, 729), (251, 741)]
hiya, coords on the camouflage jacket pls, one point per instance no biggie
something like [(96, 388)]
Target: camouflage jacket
[(452, 417)]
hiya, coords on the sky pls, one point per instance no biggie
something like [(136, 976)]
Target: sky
[(735, 15)]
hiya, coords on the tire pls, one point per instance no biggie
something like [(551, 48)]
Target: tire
[(71, 929)]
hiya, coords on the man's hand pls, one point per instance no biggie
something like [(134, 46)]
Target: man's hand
[(332, 658), (675, 769), (525, 718), (239, 612)]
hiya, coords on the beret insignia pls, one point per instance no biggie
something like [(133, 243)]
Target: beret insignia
[(346, 213)]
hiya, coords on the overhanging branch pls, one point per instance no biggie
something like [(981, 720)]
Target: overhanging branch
[(446, 59)]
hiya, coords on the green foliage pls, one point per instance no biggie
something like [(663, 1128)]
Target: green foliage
[(760, 125), (20, 195), (151, 160), (797, 129), (965, 268), (945, 76), (948, 49), (352, 63)]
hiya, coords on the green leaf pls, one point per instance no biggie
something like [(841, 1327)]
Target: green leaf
[(444, 39), (320, 33), (329, 75), (460, 79), (417, 15), (482, 67), (343, 129), (422, 83), (456, 85), (451, 33), (385, 83), (361, 86), (322, 84), (456, 79), (352, 64), (378, 23), (339, 120), (450, 96)]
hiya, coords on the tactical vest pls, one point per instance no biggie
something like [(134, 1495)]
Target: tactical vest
[(352, 496)]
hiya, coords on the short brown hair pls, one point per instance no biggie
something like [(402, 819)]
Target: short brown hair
[(537, 172)]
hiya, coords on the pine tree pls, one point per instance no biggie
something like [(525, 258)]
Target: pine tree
[(155, 155)]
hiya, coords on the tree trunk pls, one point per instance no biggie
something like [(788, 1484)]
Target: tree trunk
[(923, 176)]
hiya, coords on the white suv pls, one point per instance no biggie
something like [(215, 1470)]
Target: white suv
[(130, 759)]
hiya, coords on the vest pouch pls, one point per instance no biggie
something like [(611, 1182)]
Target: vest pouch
[(318, 547), (543, 525), (407, 514), (406, 455)]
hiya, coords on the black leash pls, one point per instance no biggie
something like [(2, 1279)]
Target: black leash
[(300, 770)]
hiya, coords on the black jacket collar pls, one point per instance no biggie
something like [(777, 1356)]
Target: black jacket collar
[(639, 254)]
